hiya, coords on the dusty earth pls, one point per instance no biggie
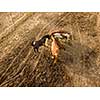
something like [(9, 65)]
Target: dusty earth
[(78, 65)]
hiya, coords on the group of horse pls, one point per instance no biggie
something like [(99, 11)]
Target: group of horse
[(55, 45)]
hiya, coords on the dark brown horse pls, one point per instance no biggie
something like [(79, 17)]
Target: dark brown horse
[(40, 42)]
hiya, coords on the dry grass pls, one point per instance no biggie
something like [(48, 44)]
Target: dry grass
[(78, 65)]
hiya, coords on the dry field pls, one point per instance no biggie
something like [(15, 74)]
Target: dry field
[(78, 65)]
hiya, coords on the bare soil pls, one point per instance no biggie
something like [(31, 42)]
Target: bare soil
[(78, 65)]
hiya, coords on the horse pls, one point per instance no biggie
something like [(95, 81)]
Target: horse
[(62, 34), (41, 42), (54, 49)]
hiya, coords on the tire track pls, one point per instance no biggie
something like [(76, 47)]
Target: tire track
[(11, 28), (19, 70), (7, 60), (18, 54), (29, 51), (13, 61), (14, 45), (10, 66), (27, 57), (38, 59)]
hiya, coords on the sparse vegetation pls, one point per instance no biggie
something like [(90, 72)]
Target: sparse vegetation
[(78, 65)]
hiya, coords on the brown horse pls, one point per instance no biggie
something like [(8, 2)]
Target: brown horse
[(55, 48)]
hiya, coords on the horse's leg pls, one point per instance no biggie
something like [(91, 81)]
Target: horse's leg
[(46, 43), (36, 50), (55, 59)]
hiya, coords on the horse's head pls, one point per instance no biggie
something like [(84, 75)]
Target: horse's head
[(33, 43)]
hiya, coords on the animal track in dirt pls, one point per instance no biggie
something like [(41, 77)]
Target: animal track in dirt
[(78, 65)]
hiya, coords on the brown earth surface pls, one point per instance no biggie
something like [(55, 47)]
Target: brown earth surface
[(78, 65)]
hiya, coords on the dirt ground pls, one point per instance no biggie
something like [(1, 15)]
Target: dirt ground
[(78, 65)]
